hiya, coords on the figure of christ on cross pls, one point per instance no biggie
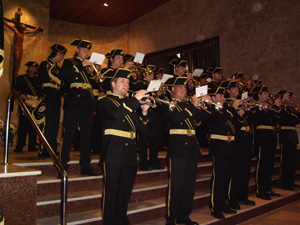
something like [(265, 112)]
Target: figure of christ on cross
[(20, 33)]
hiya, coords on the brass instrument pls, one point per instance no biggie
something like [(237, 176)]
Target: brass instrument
[(218, 106), (290, 106), (171, 104), (98, 77), (256, 104)]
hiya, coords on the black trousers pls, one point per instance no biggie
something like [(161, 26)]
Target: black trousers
[(118, 184), (52, 119), (241, 169), (288, 163), (85, 121), (97, 134), (181, 188), (25, 128), (264, 167), (222, 157), (155, 144)]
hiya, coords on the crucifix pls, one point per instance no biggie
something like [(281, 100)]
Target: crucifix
[(20, 32)]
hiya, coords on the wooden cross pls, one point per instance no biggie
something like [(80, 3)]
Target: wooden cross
[(17, 20)]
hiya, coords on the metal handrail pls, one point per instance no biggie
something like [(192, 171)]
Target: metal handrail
[(55, 160)]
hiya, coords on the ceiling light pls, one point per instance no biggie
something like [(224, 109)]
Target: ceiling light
[(105, 4)]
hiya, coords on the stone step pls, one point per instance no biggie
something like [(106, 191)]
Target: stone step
[(52, 185), (90, 199), (49, 205), (139, 212)]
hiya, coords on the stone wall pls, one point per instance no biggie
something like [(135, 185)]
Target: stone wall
[(37, 45), (256, 37)]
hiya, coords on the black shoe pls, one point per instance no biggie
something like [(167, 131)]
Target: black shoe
[(157, 166), (234, 205), (296, 185), (288, 188), (145, 168), (43, 155), (264, 196), (247, 202), (18, 150), (218, 215), (187, 222), (88, 173), (227, 210), (272, 193)]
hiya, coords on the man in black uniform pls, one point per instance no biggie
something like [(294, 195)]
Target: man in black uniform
[(118, 152), (266, 119), (217, 75), (222, 126), (79, 105), (180, 66), (28, 87), (238, 193), (288, 139), (183, 152), (51, 84), (115, 61)]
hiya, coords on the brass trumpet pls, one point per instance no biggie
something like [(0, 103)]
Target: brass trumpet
[(218, 106), (98, 77)]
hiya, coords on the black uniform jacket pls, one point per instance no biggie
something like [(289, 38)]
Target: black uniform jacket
[(49, 74), (28, 85), (120, 114), (224, 122), (73, 72), (265, 118), (183, 117), (289, 118)]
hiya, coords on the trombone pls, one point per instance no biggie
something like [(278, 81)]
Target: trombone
[(218, 106)]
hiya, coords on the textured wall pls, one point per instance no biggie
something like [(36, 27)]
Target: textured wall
[(256, 37), (37, 45)]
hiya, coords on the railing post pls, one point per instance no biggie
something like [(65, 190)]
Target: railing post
[(7, 131)]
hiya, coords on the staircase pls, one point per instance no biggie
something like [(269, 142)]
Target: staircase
[(147, 204)]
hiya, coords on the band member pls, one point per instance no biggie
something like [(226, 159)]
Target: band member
[(51, 85), (159, 73), (203, 78), (28, 87), (118, 151), (115, 61), (242, 156), (79, 105), (288, 139), (217, 75), (179, 67), (183, 153), (222, 126), (152, 137), (266, 140)]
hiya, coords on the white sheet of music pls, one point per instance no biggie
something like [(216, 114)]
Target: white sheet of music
[(154, 85), (244, 95), (139, 57), (197, 72), (202, 90), (165, 77), (97, 58)]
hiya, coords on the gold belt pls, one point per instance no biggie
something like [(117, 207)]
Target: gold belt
[(265, 127), (120, 133), (245, 128), (188, 132), (227, 138), (81, 85), (57, 87), (288, 128)]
